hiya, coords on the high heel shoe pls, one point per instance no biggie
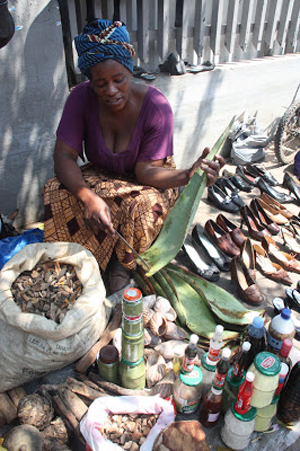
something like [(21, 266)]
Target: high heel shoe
[(246, 287), (289, 239), (248, 257), (287, 261), (237, 181), (235, 232), (269, 200), (266, 188), (248, 178), (273, 212), (220, 199), (221, 238), (296, 227), (255, 230), (290, 184), (260, 171), (270, 269), (263, 218)]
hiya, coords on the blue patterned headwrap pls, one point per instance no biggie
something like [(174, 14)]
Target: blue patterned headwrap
[(102, 40)]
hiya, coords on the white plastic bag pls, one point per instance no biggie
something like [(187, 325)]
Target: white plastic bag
[(31, 345), (102, 407)]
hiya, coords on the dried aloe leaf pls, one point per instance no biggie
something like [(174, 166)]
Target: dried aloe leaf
[(180, 218)]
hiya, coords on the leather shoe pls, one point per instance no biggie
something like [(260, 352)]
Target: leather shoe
[(228, 188), (240, 183), (255, 230), (269, 200), (221, 238), (287, 261), (260, 171), (270, 269), (293, 299), (217, 197), (265, 188), (242, 172), (248, 257), (246, 287), (263, 217), (291, 185), (218, 257), (235, 232), (199, 261)]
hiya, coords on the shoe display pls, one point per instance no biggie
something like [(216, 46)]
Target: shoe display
[(287, 261), (221, 238), (269, 200), (266, 188), (263, 217), (273, 212), (260, 171), (231, 190), (218, 257), (289, 239), (270, 269), (246, 287), (290, 184), (199, 261), (248, 257), (235, 232), (255, 230), (220, 199)]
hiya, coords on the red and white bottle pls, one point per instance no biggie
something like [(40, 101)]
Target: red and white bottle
[(222, 369), (242, 404), (190, 354), (215, 345)]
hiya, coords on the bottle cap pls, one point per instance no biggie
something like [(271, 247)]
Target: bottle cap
[(246, 346), (267, 363), (284, 369), (258, 322), (109, 354), (286, 313), (192, 378), (286, 346), (219, 329), (250, 376), (194, 339), (226, 353), (132, 294)]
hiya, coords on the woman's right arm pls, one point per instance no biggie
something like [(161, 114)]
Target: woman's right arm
[(96, 212)]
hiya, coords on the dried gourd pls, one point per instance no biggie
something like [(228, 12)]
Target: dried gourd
[(36, 410)]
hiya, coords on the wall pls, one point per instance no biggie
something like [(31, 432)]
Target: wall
[(34, 88)]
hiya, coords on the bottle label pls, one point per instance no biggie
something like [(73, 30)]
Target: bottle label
[(274, 342), (236, 369), (186, 405), (242, 405), (213, 354), (188, 364), (212, 417), (219, 380)]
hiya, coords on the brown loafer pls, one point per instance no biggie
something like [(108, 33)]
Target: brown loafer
[(248, 291), (221, 238), (235, 232)]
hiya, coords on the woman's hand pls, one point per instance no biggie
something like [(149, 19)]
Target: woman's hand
[(97, 214), (211, 167)]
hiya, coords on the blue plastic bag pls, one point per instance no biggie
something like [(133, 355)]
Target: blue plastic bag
[(11, 245)]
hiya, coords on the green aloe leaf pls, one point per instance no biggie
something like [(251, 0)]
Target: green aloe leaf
[(180, 218)]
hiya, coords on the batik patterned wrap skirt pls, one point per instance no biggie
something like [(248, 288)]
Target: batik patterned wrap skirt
[(138, 213)]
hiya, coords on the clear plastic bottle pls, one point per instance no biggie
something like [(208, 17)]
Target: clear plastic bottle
[(289, 402), (281, 327), (256, 335), (222, 369), (242, 404), (190, 354), (215, 346), (211, 408)]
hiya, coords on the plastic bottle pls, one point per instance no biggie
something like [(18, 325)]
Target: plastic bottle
[(215, 345), (282, 378), (211, 408), (190, 354), (242, 404), (241, 361), (222, 368), (256, 335), (281, 327), (289, 402), (285, 350)]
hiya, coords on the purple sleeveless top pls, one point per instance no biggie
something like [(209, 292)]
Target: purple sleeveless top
[(152, 138)]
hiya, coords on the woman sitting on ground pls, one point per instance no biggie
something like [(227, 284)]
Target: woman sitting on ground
[(125, 130)]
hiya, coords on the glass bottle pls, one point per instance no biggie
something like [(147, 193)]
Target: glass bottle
[(211, 408), (215, 346), (108, 361), (241, 361), (242, 404), (289, 402), (256, 335), (190, 354), (188, 391), (222, 369)]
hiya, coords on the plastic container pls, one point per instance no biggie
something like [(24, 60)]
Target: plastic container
[(132, 326), (132, 375), (215, 345), (256, 336), (266, 368), (190, 354), (132, 347), (289, 402), (222, 369), (211, 408), (281, 327), (108, 361), (132, 302), (231, 389), (242, 404), (264, 417), (237, 429), (208, 372), (188, 391)]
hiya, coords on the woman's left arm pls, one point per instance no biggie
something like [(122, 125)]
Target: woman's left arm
[(152, 173)]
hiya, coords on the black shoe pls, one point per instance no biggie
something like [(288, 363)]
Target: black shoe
[(260, 171), (293, 299), (278, 305), (291, 185), (218, 257), (247, 177), (230, 189), (265, 188), (241, 183), (217, 197), (200, 262)]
